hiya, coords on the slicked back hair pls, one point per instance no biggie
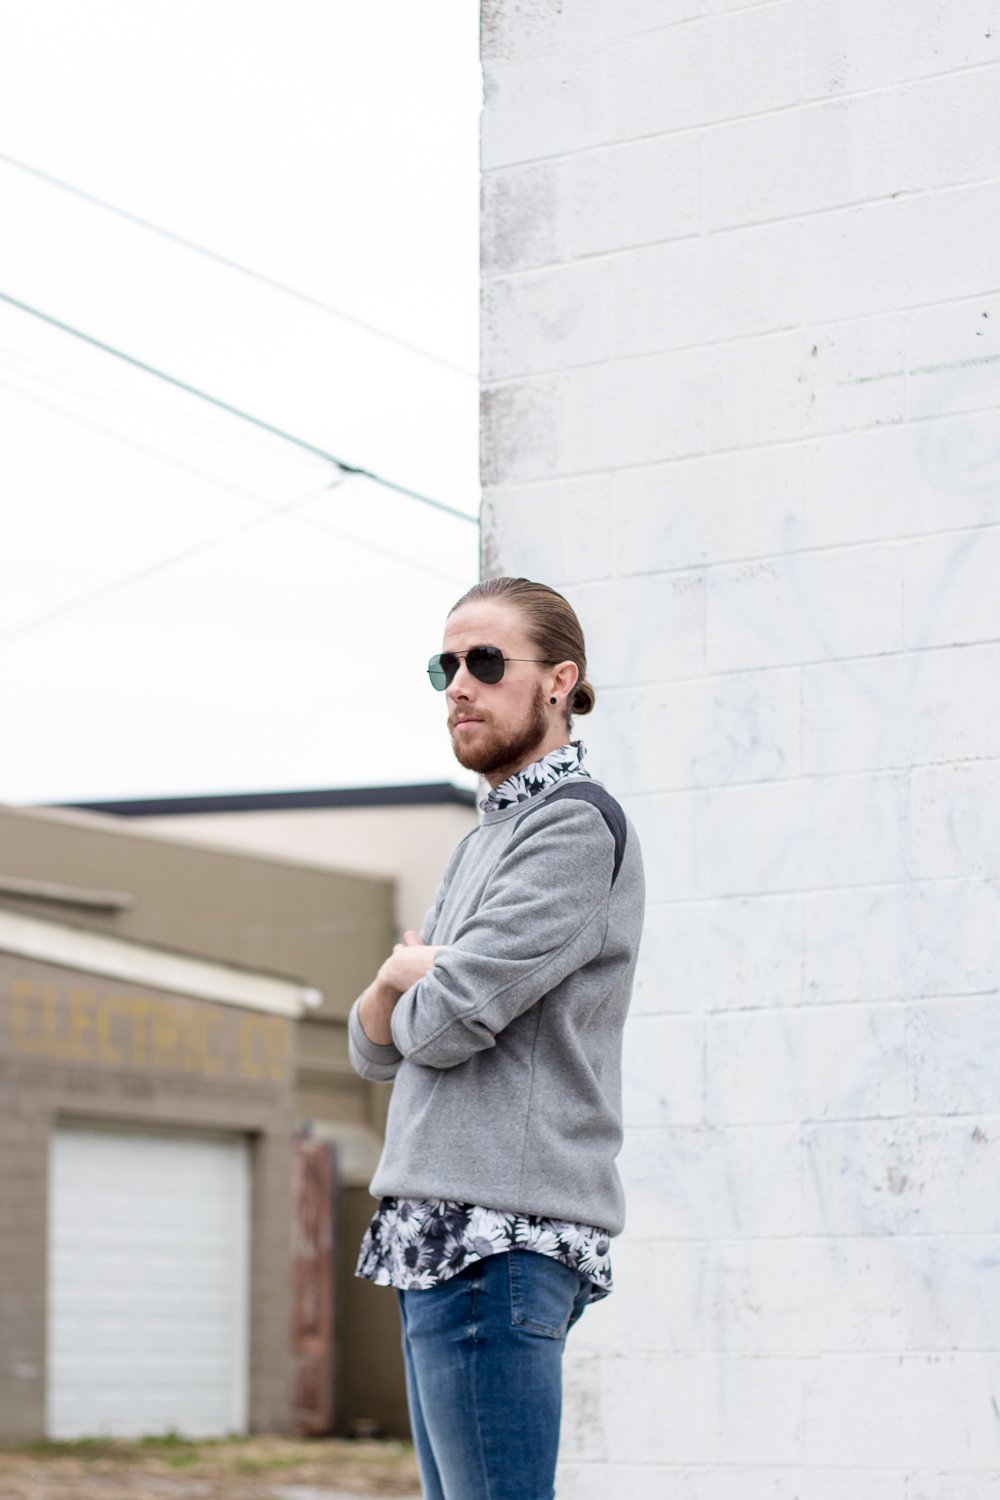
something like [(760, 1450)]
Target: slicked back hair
[(552, 624)]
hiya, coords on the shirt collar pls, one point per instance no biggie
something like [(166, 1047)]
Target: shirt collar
[(566, 760)]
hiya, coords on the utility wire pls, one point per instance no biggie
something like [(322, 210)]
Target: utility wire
[(197, 424), (183, 555), (232, 265), (288, 511), (234, 411), (133, 443), (216, 480)]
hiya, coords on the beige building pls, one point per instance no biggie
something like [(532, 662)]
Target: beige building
[(402, 833), (172, 1014), (146, 1121)]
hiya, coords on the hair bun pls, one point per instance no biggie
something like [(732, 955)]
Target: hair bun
[(583, 698)]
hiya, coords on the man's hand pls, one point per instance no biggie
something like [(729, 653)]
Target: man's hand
[(408, 962)]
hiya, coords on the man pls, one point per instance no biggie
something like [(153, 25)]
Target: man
[(501, 1024)]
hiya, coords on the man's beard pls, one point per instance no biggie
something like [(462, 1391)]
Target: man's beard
[(498, 748)]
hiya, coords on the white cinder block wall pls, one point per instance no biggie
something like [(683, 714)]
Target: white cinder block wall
[(741, 360)]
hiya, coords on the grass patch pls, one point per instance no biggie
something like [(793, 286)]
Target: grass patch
[(94, 1447), (265, 1462), (183, 1460), (387, 1465), (169, 1446)]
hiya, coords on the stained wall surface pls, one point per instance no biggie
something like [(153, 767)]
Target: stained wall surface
[(741, 361)]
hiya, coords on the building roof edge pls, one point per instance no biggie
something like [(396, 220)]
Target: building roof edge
[(421, 794)]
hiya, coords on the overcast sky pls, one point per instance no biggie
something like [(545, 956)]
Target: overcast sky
[(187, 603)]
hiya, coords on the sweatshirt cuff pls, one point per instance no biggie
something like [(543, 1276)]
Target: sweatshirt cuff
[(373, 1052), (400, 1023)]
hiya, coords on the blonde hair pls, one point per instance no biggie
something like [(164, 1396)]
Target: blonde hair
[(552, 625)]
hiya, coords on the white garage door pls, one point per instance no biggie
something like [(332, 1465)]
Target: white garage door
[(147, 1284)]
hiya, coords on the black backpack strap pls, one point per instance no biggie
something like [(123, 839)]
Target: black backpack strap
[(586, 791)]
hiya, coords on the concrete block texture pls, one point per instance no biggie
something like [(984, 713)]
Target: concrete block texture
[(839, 1062), (904, 940), (804, 606), (954, 357), (668, 611), (633, 1481), (715, 955), (956, 819), (950, 588), (573, 516), (855, 45), (808, 834), (711, 69), (901, 1176), (663, 1071), (880, 484), (546, 320), (601, 416), (785, 386), (802, 160), (939, 1406), (904, 709), (700, 731), (951, 129), (741, 366), (593, 202), (702, 1182)]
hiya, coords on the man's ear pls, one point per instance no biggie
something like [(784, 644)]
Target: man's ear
[(565, 678)]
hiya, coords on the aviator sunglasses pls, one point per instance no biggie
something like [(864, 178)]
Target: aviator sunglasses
[(486, 663)]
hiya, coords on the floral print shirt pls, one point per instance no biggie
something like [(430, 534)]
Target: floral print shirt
[(541, 773), (415, 1243)]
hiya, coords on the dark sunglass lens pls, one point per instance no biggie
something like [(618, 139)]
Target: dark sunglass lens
[(441, 669), (486, 663)]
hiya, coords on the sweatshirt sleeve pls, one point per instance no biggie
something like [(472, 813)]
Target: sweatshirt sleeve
[(544, 915), (367, 1058)]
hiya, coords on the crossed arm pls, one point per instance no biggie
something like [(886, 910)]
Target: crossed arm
[(543, 917), (408, 962)]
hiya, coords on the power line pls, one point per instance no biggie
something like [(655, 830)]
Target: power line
[(317, 522), (234, 411), (184, 554), (232, 265), (133, 443), (202, 425)]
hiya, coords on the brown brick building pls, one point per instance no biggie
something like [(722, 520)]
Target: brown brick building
[(171, 1015), (146, 1120)]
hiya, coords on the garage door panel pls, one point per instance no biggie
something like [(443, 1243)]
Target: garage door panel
[(102, 1218), (147, 1283)]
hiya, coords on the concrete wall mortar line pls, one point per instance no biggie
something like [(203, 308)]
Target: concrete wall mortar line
[(928, 420), (859, 205), (739, 119)]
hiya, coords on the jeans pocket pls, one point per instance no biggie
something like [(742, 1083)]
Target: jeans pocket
[(543, 1293)]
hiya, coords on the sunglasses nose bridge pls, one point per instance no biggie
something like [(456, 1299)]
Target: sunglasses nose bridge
[(484, 664), (461, 682)]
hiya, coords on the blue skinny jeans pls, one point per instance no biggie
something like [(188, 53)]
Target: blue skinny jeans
[(483, 1354)]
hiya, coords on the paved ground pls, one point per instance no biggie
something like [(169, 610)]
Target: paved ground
[(173, 1469)]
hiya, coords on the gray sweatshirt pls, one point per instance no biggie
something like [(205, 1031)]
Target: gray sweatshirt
[(507, 1054)]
